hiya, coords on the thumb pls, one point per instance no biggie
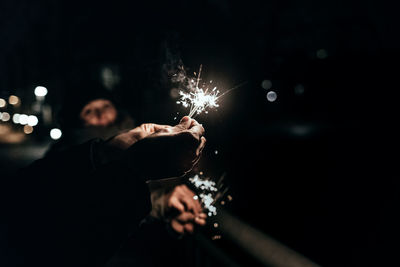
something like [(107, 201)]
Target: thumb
[(185, 122)]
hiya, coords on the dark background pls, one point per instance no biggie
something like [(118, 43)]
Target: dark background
[(315, 169)]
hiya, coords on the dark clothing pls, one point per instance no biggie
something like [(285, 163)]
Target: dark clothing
[(77, 135), (67, 209), (155, 245)]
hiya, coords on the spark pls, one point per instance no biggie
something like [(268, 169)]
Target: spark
[(199, 100), (208, 192), (203, 184), (199, 97)]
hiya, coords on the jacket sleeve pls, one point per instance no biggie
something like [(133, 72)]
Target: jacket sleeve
[(74, 208)]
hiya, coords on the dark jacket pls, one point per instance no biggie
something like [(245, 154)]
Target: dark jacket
[(67, 209)]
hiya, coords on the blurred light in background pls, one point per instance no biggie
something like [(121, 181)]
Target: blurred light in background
[(322, 54), (40, 91), (23, 119), (32, 120), (15, 118), (47, 117), (3, 103), (110, 76), (271, 96), (5, 116), (55, 133), (13, 100), (266, 84), (28, 129)]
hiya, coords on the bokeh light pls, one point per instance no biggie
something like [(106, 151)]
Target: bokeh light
[(28, 129), (13, 100), (16, 118), (32, 120), (23, 119), (40, 91), (5, 116), (266, 84), (271, 96), (3, 103), (55, 133)]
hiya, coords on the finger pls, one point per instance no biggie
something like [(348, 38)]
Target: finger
[(185, 217), (185, 122), (201, 146), (193, 123), (175, 203), (197, 130), (148, 127), (189, 227), (200, 221), (178, 227), (190, 204), (202, 216), (187, 191), (191, 194)]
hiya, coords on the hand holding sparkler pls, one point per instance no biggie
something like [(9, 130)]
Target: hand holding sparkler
[(168, 152)]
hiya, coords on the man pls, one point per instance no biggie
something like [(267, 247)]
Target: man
[(75, 207), (97, 114)]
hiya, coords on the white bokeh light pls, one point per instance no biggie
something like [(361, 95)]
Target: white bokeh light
[(271, 96), (23, 119), (16, 118), (55, 133), (40, 91), (32, 120)]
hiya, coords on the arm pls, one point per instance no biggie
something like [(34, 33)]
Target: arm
[(75, 207)]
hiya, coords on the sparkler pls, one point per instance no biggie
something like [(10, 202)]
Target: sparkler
[(199, 100), (198, 97)]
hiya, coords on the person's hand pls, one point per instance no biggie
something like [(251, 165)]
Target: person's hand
[(189, 210), (168, 151), (126, 139), (178, 208)]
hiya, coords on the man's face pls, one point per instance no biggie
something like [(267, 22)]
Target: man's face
[(99, 112)]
